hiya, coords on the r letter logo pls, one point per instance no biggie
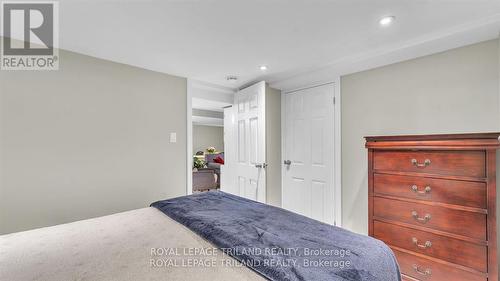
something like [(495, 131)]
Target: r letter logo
[(30, 36)]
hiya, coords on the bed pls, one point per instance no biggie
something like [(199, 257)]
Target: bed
[(186, 239)]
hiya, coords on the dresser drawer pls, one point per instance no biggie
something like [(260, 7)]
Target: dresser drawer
[(460, 222), (425, 269), (465, 193), (453, 163), (441, 247)]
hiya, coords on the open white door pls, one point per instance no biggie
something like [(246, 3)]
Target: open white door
[(228, 180), (250, 143), (309, 153)]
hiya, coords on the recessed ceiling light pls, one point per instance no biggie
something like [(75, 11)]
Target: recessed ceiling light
[(386, 21), (263, 67)]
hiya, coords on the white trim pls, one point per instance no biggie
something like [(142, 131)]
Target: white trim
[(337, 154), (283, 116), (207, 121), (337, 147), (189, 139), (458, 36), (309, 87)]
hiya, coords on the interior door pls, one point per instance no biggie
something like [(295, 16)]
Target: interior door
[(228, 180), (250, 140), (309, 153)]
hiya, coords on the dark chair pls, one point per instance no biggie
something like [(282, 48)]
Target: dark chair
[(204, 180)]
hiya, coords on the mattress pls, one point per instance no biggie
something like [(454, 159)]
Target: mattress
[(142, 244)]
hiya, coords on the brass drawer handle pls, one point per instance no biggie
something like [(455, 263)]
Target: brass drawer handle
[(427, 190), (427, 244), (425, 219), (426, 272), (426, 163)]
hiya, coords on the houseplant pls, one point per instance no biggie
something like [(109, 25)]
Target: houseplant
[(198, 163)]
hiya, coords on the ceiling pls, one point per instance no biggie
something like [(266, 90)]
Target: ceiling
[(209, 39)]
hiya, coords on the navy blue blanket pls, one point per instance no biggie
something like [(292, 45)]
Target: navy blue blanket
[(281, 245)]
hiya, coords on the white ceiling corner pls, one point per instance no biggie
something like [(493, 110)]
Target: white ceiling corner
[(469, 33)]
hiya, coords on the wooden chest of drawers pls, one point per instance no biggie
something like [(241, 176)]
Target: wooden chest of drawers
[(432, 199)]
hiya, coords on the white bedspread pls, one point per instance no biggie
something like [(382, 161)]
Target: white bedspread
[(115, 247)]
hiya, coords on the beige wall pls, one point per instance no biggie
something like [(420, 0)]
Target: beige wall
[(88, 140), (451, 92), (273, 146), (206, 136)]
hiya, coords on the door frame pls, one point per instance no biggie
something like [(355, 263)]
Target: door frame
[(189, 136), (337, 141)]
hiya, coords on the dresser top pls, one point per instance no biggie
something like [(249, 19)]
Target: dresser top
[(469, 136), (444, 141)]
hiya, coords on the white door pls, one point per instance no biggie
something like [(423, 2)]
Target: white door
[(250, 140), (228, 180), (309, 153)]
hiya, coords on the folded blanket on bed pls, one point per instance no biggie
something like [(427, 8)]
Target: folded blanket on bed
[(281, 245)]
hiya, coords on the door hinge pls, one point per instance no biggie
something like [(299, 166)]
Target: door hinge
[(334, 100)]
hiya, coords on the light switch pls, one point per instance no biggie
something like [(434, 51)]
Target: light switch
[(173, 137)]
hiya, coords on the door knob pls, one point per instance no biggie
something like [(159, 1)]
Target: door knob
[(263, 165), (287, 162)]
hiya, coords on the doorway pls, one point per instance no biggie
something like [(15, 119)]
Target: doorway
[(206, 147)]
